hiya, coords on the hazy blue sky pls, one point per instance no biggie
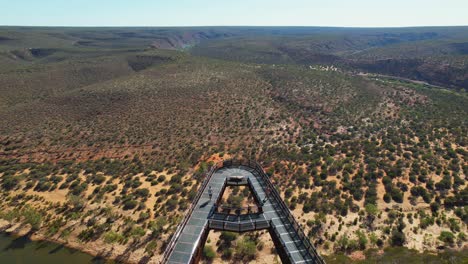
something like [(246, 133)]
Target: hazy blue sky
[(376, 13)]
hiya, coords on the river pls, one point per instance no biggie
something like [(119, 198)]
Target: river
[(21, 250)]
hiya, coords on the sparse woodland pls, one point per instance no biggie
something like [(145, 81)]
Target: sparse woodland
[(106, 149)]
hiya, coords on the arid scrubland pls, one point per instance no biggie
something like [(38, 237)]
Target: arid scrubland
[(104, 150)]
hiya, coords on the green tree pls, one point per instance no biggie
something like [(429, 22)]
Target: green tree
[(398, 238), (151, 247), (373, 238), (447, 237), (137, 231), (362, 239), (209, 253), (372, 211), (9, 182), (228, 237), (246, 249), (112, 237), (32, 217), (343, 242)]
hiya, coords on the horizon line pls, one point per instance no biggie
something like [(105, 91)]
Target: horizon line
[(233, 26)]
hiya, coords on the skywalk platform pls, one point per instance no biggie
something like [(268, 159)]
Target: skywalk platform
[(290, 241)]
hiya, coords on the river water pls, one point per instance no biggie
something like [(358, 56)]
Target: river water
[(21, 250)]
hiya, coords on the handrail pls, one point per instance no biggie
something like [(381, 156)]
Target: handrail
[(220, 197), (255, 193), (184, 221), (251, 209), (274, 192), (296, 226), (239, 225)]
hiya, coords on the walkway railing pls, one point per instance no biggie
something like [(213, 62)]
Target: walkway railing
[(240, 227), (180, 227), (257, 197), (238, 210), (273, 192)]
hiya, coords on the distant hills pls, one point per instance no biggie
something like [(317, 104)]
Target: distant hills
[(436, 55)]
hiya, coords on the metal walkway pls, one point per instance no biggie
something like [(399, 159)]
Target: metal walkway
[(188, 241)]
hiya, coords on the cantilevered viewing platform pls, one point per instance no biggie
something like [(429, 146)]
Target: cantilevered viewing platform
[(271, 213)]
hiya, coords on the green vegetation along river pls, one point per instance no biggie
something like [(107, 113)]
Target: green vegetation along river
[(21, 250)]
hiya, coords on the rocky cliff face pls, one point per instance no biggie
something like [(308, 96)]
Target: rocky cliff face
[(433, 72), (188, 39)]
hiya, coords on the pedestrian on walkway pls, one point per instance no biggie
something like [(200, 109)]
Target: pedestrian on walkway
[(210, 193), (267, 193)]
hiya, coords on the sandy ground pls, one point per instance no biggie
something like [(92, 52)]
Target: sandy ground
[(264, 256), (420, 240)]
